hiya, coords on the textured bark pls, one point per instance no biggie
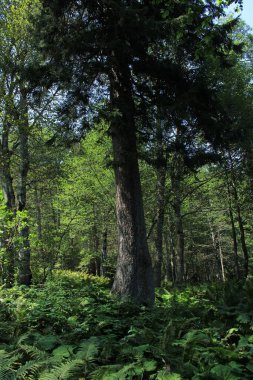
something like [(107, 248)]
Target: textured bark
[(24, 275), (134, 276)]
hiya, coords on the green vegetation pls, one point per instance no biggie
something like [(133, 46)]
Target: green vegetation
[(126, 189), (72, 328)]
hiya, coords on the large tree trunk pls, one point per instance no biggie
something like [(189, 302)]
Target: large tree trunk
[(9, 197), (134, 276), (24, 275)]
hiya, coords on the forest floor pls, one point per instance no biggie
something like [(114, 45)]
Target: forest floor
[(72, 328)]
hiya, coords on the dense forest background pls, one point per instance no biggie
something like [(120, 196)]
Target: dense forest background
[(149, 103)]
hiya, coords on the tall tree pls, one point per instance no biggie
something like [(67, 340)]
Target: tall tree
[(118, 47), (16, 52)]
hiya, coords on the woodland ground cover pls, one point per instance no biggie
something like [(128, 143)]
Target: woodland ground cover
[(73, 328)]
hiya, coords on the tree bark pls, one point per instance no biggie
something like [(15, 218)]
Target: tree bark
[(221, 258), (217, 262), (25, 274), (134, 276), (242, 233), (104, 254), (233, 230), (10, 201), (176, 174), (161, 178), (179, 240), (170, 256), (240, 220)]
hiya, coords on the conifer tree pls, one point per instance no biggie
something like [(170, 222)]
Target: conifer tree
[(119, 51)]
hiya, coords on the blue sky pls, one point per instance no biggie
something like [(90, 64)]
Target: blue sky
[(247, 13)]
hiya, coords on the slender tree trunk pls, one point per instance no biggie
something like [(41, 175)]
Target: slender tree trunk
[(173, 253), (221, 258), (134, 276), (168, 259), (233, 230), (10, 201), (41, 251), (240, 220), (161, 178), (104, 254), (38, 213), (177, 169), (179, 240), (242, 234), (161, 158), (217, 262), (25, 275), (179, 229)]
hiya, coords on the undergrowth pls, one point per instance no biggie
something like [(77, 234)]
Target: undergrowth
[(71, 328)]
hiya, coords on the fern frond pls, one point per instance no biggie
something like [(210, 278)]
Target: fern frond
[(29, 370), (33, 352), (23, 337), (8, 360), (7, 374), (65, 371), (106, 372), (88, 350)]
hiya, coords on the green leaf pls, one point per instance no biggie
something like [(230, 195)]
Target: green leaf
[(64, 351), (47, 342), (250, 367), (243, 318), (223, 372), (149, 365), (164, 375)]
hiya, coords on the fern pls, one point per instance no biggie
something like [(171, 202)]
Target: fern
[(69, 370), (88, 350), (8, 363), (7, 374), (107, 372), (24, 338), (29, 370), (33, 352), (63, 351)]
